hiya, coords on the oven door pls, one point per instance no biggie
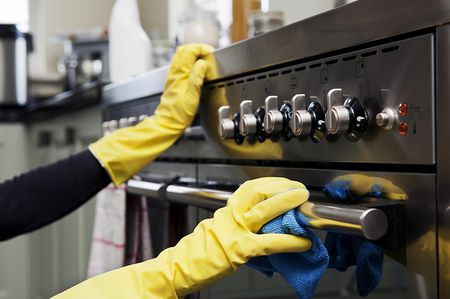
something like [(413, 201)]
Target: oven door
[(409, 269)]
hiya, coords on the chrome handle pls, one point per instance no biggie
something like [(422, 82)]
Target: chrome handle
[(370, 223)]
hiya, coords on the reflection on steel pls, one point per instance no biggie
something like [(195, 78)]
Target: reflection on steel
[(370, 223), (144, 188)]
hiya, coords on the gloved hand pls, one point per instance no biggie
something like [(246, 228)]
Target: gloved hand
[(215, 249), (353, 187), (126, 151)]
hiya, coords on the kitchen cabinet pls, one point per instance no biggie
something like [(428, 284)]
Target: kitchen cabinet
[(45, 262)]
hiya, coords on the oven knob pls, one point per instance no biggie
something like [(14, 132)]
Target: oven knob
[(226, 125), (386, 118), (105, 127), (123, 122), (337, 117), (113, 125), (301, 122), (273, 120), (142, 117), (132, 120), (248, 122)]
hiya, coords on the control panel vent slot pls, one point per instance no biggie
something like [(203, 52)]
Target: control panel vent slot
[(316, 65), (348, 58), (221, 85), (261, 77), (329, 62), (299, 69), (230, 83), (250, 79), (239, 81), (390, 49), (286, 72), (370, 53), (212, 87), (274, 74)]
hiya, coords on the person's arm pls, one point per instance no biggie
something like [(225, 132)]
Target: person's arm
[(215, 249), (41, 196)]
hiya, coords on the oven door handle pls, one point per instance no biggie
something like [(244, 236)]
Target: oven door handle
[(367, 222)]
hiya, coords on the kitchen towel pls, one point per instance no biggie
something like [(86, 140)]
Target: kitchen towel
[(138, 247), (121, 234), (108, 236)]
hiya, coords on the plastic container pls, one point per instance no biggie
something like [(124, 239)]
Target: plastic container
[(130, 48)]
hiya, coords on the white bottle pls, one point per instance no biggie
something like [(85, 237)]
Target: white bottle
[(130, 49)]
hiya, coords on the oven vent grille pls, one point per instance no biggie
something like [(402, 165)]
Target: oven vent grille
[(391, 48)]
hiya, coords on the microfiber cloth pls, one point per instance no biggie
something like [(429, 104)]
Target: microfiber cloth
[(303, 270), (346, 250)]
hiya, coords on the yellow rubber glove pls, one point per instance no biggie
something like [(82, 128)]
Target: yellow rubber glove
[(126, 151), (361, 185), (215, 249)]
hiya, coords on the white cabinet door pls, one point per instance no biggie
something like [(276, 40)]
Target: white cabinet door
[(14, 254)]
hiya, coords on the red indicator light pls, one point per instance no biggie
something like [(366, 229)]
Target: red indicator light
[(403, 109), (403, 128)]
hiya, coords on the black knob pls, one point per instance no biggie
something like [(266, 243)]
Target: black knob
[(261, 134), (359, 119), (319, 129), (238, 137), (286, 131)]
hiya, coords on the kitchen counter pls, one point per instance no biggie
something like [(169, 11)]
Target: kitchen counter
[(87, 95)]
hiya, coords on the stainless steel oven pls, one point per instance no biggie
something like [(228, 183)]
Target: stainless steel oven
[(361, 89)]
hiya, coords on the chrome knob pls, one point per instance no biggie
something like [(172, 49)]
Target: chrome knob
[(123, 122), (142, 117), (301, 122), (113, 125), (273, 120), (226, 125), (132, 120), (337, 117), (105, 127), (248, 122), (386, 118)]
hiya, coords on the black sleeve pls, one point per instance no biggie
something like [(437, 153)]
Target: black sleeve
[(41, 196)]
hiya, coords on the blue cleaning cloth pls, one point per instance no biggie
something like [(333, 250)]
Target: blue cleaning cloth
[(346, 250), (301, 270)]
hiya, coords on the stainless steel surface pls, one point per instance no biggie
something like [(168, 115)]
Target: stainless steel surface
[(301, 122), (273, 119), (370, 223), (420, 253), (144, 188), (144, 85), (350, 25), (13, 71), (247, 125), (226, 125), (379, 77), (443, 159)]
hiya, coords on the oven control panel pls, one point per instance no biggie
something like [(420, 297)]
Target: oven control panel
[(374, 105)]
